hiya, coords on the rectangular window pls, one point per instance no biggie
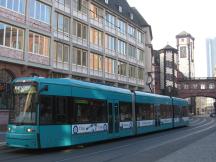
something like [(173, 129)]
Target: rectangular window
[(110, 20), (122, 68), (39, 44), (183, 52), (2, 31), (121, 26), (121, 47), (110, 42), (62, 23), (11, 36), (144, 112), (40, 11), (14, 38), (89, 111), (62, 52), (96, 37), (132, 71), (141, 73), (79, 29), (131, 51), (109, 65), (95, 62), (96, 13), (80, 57), (166, 111), (125, 111), (140, 55), (14, 5), (131, 31), (20, 39), (8, 36), (140, 37), (80, 5)]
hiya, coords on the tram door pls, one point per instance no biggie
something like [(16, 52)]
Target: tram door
[(113, 116), (157, 115)]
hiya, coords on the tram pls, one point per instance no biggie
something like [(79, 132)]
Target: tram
[(50, 113)]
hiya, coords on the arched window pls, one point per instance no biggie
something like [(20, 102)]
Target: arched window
[(6, 77)]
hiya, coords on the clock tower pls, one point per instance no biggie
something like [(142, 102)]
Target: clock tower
[(185, 46)]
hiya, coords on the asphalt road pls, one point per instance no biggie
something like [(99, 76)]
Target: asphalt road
[(193, 144)]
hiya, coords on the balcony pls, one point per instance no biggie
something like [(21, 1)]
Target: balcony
[(11, 53), (131, 39), (79, 69), (132, 80), (124, 57), (132, 59), (62, 35), (110, 29), (62, 6), (141, 45), (61, 65), (110, 52), (96, 47), (122, 78), (141, 63), (110, 76), (39, 24), (80, 15), (140, 82), (11, 15), (122, 35), (39, 59), (97, 22), (80, 41), (96, 73)]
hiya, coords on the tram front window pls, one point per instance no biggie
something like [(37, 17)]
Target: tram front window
[(24, 104)]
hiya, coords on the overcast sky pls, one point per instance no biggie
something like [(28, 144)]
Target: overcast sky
[(170, 17)]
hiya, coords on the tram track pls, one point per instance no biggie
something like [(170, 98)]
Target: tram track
[(91, 151)]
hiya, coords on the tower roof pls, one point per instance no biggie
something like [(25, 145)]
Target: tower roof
[(169, 48), (184, 34)]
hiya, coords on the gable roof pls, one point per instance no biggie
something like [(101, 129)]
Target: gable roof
[(184, 34)]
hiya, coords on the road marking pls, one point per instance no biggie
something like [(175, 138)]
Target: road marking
[(123, 146)]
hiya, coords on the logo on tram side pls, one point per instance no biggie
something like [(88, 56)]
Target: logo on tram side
[(89, 128)]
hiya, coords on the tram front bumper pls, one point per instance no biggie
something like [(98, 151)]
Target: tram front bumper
[(21, 140)]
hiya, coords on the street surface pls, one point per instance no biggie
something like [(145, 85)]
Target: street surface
[(195, 143)]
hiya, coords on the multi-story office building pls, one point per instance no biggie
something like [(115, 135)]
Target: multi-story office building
[(185, 46), (104, 41), (211, 57)]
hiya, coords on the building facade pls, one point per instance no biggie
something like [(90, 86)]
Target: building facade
[(211, 57), (168, 70), (185, 46), (103, 41)]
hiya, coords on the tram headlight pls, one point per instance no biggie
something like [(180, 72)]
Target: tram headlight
[(9, 129), (29, 130)]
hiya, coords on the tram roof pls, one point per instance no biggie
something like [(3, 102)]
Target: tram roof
[(77, 83)]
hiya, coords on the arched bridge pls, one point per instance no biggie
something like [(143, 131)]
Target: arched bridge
[(203, 87)]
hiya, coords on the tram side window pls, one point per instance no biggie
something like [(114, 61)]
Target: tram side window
[(46, 111), (125, 111), (144, 112), (185, 111), (60, 110), (165, 111), (89, 111), (177, 111)]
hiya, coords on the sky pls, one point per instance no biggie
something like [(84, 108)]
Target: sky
[(170, 17)]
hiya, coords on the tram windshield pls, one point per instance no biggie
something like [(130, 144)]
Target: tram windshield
[(24, 104)]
